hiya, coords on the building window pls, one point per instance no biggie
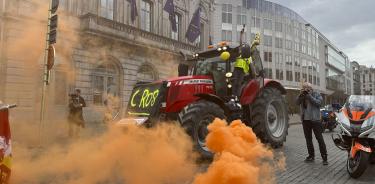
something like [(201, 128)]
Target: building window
[(268, 72), (288, 60), (199, 41), (255, 22), (279, 43), (310, 78), (289, 29), (314, 81), (296, 31), (318, 81), (226, 35), (268, 56), (297, 76), (146, 73), (297, 62), (296, 46), (304, 76), (176, 35), (278, 57), (279, 74), (146, 15), (227, 13), (288, 44), (268, 40), (289, 75), (106, 80), (241, 17), (303, 48), (267, 24), (278, 26), (106, 9)]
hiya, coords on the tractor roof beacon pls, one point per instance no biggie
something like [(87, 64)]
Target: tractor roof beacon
[(206, 92)]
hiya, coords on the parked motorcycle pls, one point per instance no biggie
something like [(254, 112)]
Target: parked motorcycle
[(357, 123), (5, 144), (328, 117)]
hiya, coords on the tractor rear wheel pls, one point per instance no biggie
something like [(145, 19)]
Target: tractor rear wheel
[(195, 118), (269, 117)]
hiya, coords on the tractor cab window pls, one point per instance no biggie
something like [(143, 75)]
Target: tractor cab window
[(214, 67), (209, 66)]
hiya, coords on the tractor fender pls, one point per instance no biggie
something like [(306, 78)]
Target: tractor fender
[(215, 99), (274, 84)]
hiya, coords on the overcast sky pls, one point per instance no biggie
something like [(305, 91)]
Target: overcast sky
[(348, 24)]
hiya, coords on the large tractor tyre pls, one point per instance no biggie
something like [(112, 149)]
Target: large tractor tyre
[(195, 118), (356, 166), (269, 117)]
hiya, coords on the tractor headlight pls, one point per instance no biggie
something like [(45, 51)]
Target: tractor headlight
[(225, 48), (229, 85), (219, 49), (229, 75)]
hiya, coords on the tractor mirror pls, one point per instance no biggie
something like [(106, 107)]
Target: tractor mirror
[(183, 70)]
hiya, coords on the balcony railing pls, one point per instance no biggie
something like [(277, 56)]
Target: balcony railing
[(94, 23)]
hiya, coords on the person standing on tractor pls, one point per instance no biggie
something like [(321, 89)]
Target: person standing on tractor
[(244, 66), (241, 68), (309, 102)]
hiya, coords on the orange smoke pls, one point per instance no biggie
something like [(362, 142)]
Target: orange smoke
[(130, 154), (240, 157), (158, 155)]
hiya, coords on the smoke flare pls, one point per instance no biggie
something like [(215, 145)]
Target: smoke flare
[(240, 157)]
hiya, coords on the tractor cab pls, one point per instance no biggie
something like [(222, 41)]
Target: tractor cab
[(218, 62)]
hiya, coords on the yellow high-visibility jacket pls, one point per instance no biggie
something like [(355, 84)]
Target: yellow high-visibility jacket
[(243, 63)]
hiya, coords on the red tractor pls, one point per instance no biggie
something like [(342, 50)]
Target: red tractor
[(204, 92)]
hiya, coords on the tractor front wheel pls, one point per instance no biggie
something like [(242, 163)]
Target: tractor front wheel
[(269, 117), (195, 118)]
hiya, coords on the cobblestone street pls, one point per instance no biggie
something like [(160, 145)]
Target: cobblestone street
[(299, 172)]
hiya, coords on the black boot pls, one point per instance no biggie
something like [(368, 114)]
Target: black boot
[(325, 159), (309, 159)]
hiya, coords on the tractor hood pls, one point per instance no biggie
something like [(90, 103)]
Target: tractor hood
[(187, 78)]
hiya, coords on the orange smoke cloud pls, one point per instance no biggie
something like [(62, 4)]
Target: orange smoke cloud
[(158, 155), (130, 154), (240, 157)]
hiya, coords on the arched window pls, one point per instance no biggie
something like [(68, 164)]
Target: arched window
[(106, 81), (146, 73)]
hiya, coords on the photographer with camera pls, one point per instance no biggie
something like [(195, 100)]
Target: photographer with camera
[(310, 102), (76, 121)]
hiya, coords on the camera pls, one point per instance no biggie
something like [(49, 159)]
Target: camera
[(74, 100)]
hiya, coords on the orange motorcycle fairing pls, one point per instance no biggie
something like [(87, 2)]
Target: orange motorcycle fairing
[(357, 147)]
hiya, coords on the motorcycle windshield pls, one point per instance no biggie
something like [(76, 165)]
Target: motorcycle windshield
[(360, 102)]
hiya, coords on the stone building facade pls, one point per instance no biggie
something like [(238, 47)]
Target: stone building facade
[(99, 49)]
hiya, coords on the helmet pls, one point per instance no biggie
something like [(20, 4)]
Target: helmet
[(245, 51)]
